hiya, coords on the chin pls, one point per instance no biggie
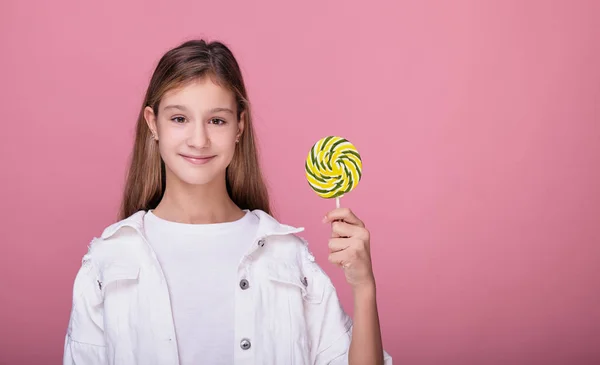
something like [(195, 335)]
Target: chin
[(195, 180), (197, 177)]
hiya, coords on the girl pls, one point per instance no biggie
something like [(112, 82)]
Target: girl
[(196, 271)]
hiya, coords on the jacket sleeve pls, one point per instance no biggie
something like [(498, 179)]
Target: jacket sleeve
[(84, 342), (329, 327)]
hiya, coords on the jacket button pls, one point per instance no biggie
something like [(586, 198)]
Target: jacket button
[(261, 242), (245, 344), (244, 284)]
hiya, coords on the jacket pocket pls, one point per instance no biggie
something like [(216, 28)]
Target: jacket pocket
[(291, 293), (114, 272)]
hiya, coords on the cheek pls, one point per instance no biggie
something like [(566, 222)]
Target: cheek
[(226, 151), (172, 137), (224, 140), (231, 146), (169, 146)]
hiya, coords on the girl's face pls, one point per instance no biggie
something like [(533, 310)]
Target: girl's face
[(197, 130)]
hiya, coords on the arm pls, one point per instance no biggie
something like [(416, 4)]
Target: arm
[(84, 342), (350, 249), (366, 346), (330, 329)]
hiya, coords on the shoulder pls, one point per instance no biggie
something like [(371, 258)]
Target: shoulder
[(291, 254), (134, 221), (118, 244), (283, 243), (288, 249)]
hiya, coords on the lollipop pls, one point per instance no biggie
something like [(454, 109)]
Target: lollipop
[(333, 168)]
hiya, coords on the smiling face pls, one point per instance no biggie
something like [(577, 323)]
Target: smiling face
[(197, 128)]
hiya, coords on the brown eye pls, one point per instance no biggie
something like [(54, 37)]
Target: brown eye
[(217, 121), (178, 120)]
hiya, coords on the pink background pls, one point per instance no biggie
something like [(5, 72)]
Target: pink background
[(478, 123)]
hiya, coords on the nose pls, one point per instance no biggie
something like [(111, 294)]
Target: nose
[(198, 137)]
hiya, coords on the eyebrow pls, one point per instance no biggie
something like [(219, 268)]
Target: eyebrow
[(214, 110), (227, 110)]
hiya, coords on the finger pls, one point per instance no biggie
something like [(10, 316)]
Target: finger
[(343, 229), (340, 258), (338, 244), (335, 234), (343, 214)]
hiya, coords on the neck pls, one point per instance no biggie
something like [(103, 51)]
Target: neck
[(197, 204)]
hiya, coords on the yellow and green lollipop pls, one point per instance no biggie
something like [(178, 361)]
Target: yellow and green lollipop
[(333, 167)]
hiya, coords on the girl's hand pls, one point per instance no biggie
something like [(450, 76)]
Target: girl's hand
[(349, 248)]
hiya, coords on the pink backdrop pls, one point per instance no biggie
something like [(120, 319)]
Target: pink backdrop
[(478, 122)]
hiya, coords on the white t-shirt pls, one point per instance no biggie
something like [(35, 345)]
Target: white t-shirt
[(200, 263)]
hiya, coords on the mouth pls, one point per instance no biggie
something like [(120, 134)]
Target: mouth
[(197, 160)]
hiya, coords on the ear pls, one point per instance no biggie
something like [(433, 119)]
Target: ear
[(150, 118), (242, 123)]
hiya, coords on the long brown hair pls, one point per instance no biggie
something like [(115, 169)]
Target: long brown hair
[(145, 182)]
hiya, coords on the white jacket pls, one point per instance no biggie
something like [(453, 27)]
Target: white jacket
[(286, 309)]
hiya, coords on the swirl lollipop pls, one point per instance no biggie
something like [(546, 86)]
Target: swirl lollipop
[(333, 168)]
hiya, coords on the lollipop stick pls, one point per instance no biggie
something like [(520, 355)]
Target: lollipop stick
[(337, 202)]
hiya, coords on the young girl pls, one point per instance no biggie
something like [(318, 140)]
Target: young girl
[(197, 271)]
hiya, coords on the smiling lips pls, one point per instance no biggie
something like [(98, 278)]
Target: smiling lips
[(197, 160)]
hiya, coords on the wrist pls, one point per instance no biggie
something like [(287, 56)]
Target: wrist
[(365, 291)]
